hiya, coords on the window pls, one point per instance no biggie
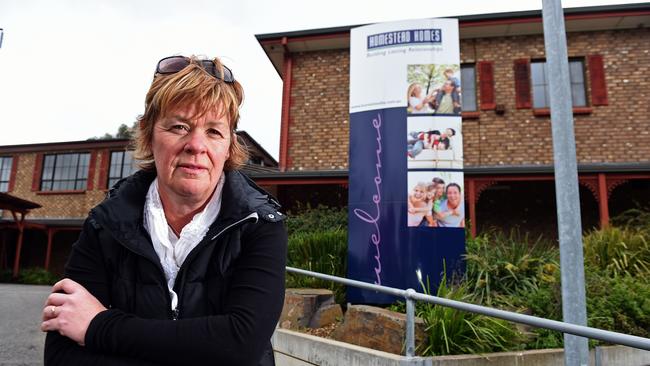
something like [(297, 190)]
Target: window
[(255, 160), (65, 172), (468, 89), (122, 165), (541, 88), (5, 172)]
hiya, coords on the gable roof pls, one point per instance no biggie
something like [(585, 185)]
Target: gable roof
[(16, 204)]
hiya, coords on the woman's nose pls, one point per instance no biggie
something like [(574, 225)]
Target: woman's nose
[(196, 143)]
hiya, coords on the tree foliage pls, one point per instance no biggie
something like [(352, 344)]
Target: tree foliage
[(123, 132), (430, 76)]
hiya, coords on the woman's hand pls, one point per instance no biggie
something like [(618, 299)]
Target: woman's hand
[(69, 310)]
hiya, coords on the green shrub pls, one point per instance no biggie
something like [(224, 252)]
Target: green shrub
[(619, 251), (37, 276), (637, 219), (320, 218), (543, 301), (450, 331), (513, 272), (498, 264), (620, 304), (318, 251)]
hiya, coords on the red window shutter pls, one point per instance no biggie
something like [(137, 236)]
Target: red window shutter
[(597, 79), (103, 170), (12, 176), (486, 85), (522, 83), (91, 171), (38, 169)]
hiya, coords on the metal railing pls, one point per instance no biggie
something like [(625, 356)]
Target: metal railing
[(410, 296)]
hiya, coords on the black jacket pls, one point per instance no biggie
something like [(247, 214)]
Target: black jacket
[(230, 287)]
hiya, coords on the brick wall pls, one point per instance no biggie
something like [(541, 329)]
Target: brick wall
[(73, 205), (619, 132), (318, 128)]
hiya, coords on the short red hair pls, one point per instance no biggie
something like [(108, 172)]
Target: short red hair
[(193, 87)]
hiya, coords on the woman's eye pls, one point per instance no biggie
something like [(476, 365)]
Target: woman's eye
[(214, 132), (179, 128)]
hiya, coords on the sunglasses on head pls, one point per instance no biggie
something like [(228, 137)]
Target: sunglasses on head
[(174, 64)]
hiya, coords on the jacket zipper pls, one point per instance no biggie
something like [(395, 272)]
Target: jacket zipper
[(182, 270), (161, 272)]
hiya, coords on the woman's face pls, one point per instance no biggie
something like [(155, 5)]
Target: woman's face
[(453, 196), (418, 192), (190, 153)]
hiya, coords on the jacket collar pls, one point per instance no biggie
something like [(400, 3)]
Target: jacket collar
[(121, 212)]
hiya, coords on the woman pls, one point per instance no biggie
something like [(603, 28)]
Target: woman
[(183, 263), (418, 204), (416, 103)]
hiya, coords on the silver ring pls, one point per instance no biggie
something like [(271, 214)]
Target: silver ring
[(53, 310)]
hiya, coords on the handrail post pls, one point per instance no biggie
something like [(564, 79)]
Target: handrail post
[(410, 323)]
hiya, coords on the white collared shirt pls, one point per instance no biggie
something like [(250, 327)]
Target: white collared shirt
[(173, 250)]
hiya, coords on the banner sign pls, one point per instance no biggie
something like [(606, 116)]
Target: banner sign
[(406, 206)]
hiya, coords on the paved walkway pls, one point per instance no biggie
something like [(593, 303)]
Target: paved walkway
[(21, 340)]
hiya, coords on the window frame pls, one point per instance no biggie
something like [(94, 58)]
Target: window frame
[(6, 169), (81, 176), (471, 65), (545, 110), (115, 179)]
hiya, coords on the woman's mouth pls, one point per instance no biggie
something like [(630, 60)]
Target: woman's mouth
[(192, 168)]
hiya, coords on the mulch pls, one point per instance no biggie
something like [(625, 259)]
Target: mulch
[(324, 332)]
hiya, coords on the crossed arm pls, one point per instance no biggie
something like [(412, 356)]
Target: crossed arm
[(82, 331)]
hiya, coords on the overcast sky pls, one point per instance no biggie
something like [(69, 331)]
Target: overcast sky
[(73, 69)]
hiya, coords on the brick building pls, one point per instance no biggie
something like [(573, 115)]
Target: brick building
[(53, 186), (508, 152)]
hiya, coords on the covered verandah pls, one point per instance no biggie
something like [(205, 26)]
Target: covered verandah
[(19, 208), (599, 179)]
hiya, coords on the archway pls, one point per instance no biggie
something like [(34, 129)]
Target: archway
[(629, 195), (529, 206)]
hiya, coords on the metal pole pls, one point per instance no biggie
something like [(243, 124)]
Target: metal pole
[(576, 349), (410, 323), (2, 32)]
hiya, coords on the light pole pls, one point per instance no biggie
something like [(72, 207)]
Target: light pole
[(574, 309)]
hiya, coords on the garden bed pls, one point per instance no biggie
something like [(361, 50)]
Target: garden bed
[(509, 271)]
